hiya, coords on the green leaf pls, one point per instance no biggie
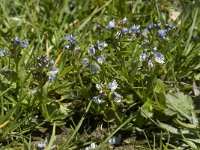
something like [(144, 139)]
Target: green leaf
[(66, 70), (186, 125), (168, 128), (190, 143), (57, 111), (160, 101), (129, 99), (159, 86), (109, 115), (147, 109), (180, 103), (53, 138)]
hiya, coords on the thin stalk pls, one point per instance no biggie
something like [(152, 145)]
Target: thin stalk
[(116, 114), (80, 79), (158, 11), (187, 46), (123, 59), (16, 59), (111, 135), (66, 144)]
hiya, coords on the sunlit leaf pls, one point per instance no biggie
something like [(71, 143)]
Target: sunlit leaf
[(180, 103)]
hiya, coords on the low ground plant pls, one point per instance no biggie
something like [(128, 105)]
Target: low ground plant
[(94, 75)]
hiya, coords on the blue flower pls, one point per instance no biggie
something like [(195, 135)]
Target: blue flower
[(124, 20), (100, 45), (134, 29), (101, 59), (145, 32), (97, 99), (117, 97), (118, 34), (115, 140), (24, 44), (150, 26), (15, 41), (157, 25), (53, 74), (150, 64), (41, 145), (168, 26), (71, 39), (85, 62), (162, 33), (159, 58), (111, 24), (43, 61), (143, 56), (92, 146), (125, 30), (2, 53), (113, 85), (67, 47), (91, 50)]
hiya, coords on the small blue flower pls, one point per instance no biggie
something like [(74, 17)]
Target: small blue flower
[(91, 50), (115, 140), (39, 64), (134, 29), (118, 34), (100, 45), (125, 30), (113, 85), (157, 25), (97, 99), (15, 41), (162, 33), (71, 39), (150, 64), (43, 61), (117, 97), (143, 56), (159, 58), (85, 62), (124, 20), (145, 32), (2, 53), (150, 26), (92, 146), (101, 59), (41, 145), (111, 24), (24, 44), (67, 47), (168, 26), (53, 74)]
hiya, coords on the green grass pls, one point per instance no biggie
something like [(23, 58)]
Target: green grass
[(48, 95)]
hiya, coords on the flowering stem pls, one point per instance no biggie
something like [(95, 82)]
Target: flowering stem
[(16, 59), (116, 115), (80, 79), (135, 91), (123, 59)]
